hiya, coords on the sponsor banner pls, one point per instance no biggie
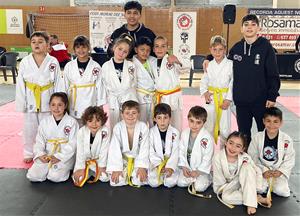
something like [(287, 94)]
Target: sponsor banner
[(280, 26), (184, 34), (11, 21), (101, 26)]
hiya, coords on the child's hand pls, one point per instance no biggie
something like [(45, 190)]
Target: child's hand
[(102, 170), (44, 158), (195, 173), (276, 173), (268, 174), (205, 64), (186, 172), (207, 96), (115, 176), (270, 104), (78, 175), (168, 172), (54, 160), (142, 174), (225, 105), (172, 59)]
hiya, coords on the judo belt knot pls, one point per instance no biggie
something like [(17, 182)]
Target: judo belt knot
[(88, 164), (160, 93), (56, 147), (159, 169), (192, 191), (130, 167)]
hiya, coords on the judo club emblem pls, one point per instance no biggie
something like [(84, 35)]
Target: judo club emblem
[(286, 144), (269, 153), (169, 66), (104, 134), (184, 49), (52, 67), (297, 65), (96, 71), (67, 130), (245, 160), (204, 142), (130, 70), (184, 21)]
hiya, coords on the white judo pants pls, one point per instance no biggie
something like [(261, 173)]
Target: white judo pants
[(280, 186), (167, 181), (40, 171), (30, 129), (146, 114), (122, 179), (201, 183)]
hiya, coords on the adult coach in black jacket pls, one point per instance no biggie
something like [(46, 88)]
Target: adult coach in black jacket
[(133, 27)]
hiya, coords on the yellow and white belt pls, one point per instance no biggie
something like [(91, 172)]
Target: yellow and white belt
[(74, 88)]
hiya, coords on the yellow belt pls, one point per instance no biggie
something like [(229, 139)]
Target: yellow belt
[(160, 93), (88, 163), (56, 147), (74, 88), (144, 91), (220, 199), (218, 100), (192, 191), (160, 167), (37, 91), (130, 167)]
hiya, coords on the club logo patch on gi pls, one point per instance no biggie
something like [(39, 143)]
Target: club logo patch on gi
[(169, 66), (52, 67), (245, 160), (104, 134), (204, 142), (131, 70), (237, 57), (67, 130), (286, 144), (96, 71), (184, 21)]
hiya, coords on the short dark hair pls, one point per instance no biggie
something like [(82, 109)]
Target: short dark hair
[(64, 98), (242, 136), (92, 111), (162, 108), (198, 112), (130, 104), (144, 41), (133, 5), (42, 34), (251, 17), (273, 111), (81, 40)]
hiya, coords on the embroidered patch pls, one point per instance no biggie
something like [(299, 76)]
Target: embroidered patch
[(245, 160), (96, 71), (286, 144), (104, 134), (169, 66), (173, 136), (204, 142), (131, 70), (52, 67), (67, 130)]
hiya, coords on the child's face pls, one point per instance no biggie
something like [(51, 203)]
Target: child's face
[(195, 124), (93, 124), (250, 29), (218, 52), (57, 108), (132, 16), (143, 52), (53, 41), (82, 52), (234, 146), (272, 124), (162, 121), (130, 116), (160, 48), (121, 51), (39, 45)]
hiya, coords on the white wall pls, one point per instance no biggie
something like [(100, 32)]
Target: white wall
[(35, 2)]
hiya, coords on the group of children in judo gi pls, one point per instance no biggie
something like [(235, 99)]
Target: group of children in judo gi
[(144, 93)]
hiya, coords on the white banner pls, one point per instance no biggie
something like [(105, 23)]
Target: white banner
[(102, 24), (184, 34), (280, 26), (12, 19)]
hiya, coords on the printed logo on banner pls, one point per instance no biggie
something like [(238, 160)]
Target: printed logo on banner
[(184, 21), (184, 50), (297, 65), (184, 36)]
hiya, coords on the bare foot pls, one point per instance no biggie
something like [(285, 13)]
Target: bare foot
[(251, 210), (264, 201), (27, 160)]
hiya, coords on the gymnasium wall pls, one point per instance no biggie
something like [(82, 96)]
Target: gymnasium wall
[(209, 23)]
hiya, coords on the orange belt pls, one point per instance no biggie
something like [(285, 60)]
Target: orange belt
[(160, 93)]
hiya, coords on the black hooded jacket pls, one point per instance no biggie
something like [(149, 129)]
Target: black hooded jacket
[(255, 72)]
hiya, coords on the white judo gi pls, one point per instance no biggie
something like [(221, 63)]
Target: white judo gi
[(218, 80), (34, 87), (158, 157), (145, 90), (59, 141), (84, 89), (118, 92), (239, 187), (285, 162), (167, 84), (97, 151), (119, 152), (201, 159)]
